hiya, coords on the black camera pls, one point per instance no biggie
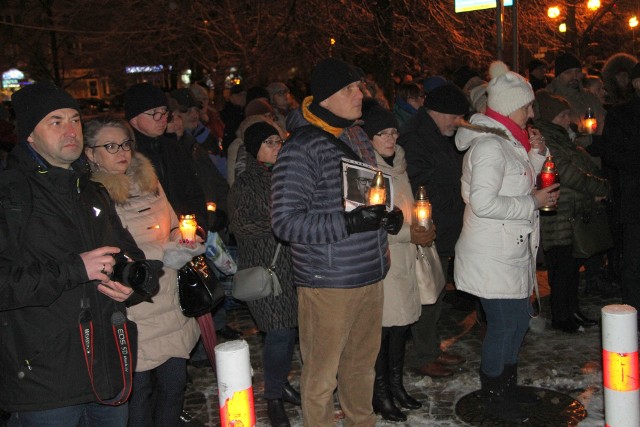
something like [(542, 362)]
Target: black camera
[(141, 276)]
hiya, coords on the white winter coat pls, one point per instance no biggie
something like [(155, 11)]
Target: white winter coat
[(495, 254), (401, 298)]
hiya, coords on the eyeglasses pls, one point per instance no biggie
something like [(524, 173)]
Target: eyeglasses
[(273, 141), (158, 115), (281, 92), (389, 134), (113, 148)]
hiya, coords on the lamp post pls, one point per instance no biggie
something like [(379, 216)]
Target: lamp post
[(569, 26), (633, 23)]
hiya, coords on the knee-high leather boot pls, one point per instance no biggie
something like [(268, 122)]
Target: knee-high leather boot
[(382, 400), (397, 342)]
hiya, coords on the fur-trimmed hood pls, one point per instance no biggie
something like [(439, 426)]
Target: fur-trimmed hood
[(140, 178), (477, 125)]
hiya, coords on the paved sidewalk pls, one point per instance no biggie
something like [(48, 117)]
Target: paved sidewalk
[(567, 363)]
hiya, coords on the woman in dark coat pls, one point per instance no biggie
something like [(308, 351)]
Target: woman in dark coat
[(276, 316), (582, 189)]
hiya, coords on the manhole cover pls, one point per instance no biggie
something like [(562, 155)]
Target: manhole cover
[(554, 410)]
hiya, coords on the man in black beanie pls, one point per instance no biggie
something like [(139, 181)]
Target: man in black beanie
[(145, 107), (339, 258), (60, 309), (433, 161), (568, 84)]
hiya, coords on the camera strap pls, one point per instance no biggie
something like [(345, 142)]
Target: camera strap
[(121, 338)]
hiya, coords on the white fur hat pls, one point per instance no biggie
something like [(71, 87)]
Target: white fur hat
[(507, 91)]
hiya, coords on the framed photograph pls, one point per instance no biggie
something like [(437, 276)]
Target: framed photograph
[(356, 181)]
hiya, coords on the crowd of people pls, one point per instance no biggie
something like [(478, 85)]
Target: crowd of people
[(82, 348)]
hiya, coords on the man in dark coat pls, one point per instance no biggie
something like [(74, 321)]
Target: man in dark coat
[(433, 161), (339, 258), (58, 234), (622, 144), (146, 109)]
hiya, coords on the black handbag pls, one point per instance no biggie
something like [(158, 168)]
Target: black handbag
[(199, 290), (591, 233)]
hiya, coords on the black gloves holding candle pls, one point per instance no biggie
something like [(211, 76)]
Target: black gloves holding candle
[(371, 218)]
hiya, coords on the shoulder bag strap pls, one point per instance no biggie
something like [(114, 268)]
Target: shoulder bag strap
[(272, 265)]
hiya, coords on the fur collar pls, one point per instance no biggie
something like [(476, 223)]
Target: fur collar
[(484, 129), (140, 175)]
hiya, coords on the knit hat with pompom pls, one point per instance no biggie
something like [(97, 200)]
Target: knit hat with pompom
[(507, 91)]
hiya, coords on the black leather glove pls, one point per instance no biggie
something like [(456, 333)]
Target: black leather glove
[(364, 218), (392, 221), (217, 220)]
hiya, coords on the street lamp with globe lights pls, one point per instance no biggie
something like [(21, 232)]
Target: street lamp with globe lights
[(568, 26)]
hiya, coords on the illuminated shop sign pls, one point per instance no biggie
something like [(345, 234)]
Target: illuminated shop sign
[(469, 5)]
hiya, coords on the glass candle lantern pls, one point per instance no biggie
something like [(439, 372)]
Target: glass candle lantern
[(377, 192), (548, 176), (590, 123), (422, 209), (188, 226)]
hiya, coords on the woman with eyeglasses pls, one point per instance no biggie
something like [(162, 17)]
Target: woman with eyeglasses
[(165, 336), (402, 305), (250, 222)]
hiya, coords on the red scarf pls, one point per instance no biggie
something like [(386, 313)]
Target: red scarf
[(518, 133)]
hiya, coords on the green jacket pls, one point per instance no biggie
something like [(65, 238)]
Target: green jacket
[(580, 184)]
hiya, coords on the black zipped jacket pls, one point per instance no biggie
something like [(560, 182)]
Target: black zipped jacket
[(48, 217)]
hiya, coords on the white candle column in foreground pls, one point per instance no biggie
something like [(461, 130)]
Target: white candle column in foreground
[(620, 366), (235, 391)]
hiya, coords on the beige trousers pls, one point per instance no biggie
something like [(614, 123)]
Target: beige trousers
[(339, 341)]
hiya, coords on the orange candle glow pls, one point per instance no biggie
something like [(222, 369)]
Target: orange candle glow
[(188, 226), (377, 192)]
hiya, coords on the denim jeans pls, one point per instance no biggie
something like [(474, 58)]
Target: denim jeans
[(276, 356), (156, 399), (85, 415), (507, 324)]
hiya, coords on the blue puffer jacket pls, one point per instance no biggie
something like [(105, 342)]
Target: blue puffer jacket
[(307, 210)]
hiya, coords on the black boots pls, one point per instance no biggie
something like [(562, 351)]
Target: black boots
[(382, 399), (291, 395), (275, 407), (397, 341), (277, 415), (518, 395), (495, 396)]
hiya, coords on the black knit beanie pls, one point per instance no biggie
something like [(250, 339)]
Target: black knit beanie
[(33, 102), (447, 99), (377, 118), (566, 61), (550, 105), (329, 76), (142, 97), (255, 135)]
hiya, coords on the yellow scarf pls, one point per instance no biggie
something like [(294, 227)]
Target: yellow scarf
[(317, 121)]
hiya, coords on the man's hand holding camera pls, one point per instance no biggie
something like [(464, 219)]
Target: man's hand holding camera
[(99, 265)]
